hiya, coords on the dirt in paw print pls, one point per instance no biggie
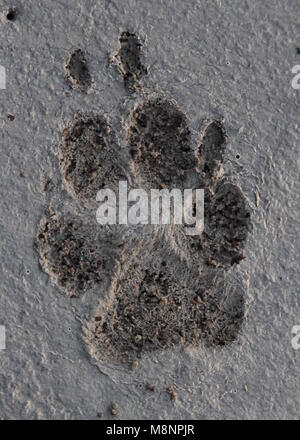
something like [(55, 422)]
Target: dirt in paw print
[(165, 288), (88, 157), (71, 253), (159, 140)]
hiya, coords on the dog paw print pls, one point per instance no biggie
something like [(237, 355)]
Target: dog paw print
[(157, 287)]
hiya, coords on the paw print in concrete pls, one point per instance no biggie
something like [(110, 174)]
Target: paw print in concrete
[(165, 288)]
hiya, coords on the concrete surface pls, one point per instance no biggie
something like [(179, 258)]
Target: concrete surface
[(216, 59)]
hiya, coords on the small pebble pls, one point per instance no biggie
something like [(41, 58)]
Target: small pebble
[(134, 365), (114, 409), (151, 387), (172, 392)]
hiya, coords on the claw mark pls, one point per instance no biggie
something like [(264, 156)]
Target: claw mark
[(77, 71), (212, 147), (129, 59)]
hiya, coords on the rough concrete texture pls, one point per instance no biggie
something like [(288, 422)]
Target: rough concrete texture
[(218, 61)]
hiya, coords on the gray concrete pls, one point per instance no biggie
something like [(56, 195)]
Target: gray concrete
[(215, 58)]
